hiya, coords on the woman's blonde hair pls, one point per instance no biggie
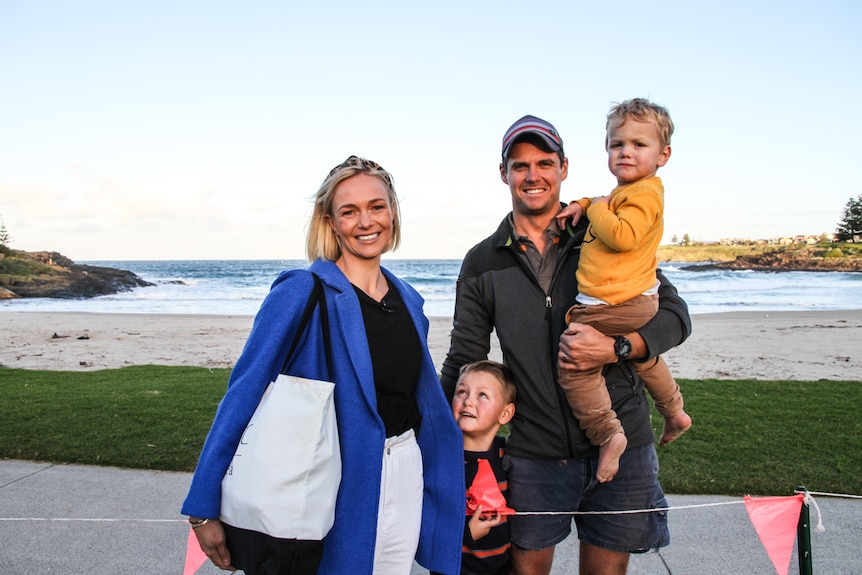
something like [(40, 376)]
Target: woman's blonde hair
[(321, 241)]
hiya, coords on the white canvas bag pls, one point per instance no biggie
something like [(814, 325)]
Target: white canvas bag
[(284, 477)]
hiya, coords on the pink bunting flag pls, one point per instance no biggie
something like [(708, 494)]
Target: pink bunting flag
[(195, 556), (485, 492), (775, 519)]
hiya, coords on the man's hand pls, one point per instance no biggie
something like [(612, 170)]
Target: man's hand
[(583, 347)]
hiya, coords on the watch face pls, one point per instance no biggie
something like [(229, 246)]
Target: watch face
[(623, 347)]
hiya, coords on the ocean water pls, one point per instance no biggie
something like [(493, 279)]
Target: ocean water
[(237, 287)]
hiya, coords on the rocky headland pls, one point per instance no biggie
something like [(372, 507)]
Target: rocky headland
[(785, 261), (50, 274)]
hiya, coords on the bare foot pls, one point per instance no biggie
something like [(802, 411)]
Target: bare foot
[(674, 427), (609, 457)]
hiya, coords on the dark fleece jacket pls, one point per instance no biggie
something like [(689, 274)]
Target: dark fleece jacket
[(496, 291)]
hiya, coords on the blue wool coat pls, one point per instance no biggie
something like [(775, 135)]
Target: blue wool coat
[(349, 546)]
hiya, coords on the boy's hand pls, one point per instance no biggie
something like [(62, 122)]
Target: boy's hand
[(480, 524), (601, 200), (573, 210)]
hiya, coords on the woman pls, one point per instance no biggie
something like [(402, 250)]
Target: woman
[(401, 493)]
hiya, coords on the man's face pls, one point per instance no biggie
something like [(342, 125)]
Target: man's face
[(534, 178)]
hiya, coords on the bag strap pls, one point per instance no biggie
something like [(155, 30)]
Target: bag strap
[(317, 296)]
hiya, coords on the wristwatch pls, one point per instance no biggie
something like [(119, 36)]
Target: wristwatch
[(622, 347)]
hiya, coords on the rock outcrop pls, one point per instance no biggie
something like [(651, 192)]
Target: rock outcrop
[(50, 274), (785, 261)]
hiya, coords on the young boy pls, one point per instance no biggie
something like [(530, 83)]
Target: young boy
[(484, 400), (618, 290)]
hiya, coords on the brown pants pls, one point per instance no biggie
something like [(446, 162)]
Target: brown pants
[(586, 390)]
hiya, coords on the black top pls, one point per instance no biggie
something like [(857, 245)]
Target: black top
[(490, 554), (396, 356)]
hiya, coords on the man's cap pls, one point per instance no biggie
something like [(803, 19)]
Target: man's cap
[(531, 125)]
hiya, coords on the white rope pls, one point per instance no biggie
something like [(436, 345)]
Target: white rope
[(629, 511), (809, 501), (844, 495)]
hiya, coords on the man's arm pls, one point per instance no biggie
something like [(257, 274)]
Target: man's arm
[(670, 326), (471, 332), (583, 347)]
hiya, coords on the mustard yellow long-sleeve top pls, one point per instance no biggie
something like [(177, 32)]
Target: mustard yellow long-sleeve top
[(618, 256)]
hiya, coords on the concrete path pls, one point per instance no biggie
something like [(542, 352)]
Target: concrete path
[(103, 520)]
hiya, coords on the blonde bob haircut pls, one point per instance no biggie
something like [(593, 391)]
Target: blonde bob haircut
[(642, 110), (321, 241)]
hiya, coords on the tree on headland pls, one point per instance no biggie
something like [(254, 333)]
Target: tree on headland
[(850, 226), (686, 240), (5, 238)]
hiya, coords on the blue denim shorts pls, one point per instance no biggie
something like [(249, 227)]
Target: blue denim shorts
[(570, 485)]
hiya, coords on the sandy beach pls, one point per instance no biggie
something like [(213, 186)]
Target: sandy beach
[(805, 345)]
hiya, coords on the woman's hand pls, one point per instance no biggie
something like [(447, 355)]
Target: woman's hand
[(212, 541)]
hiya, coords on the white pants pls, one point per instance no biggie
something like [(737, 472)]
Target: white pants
[(399, 516)]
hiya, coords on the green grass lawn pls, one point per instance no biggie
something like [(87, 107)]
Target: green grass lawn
[(765, 438), (149, 417), (749, 437)]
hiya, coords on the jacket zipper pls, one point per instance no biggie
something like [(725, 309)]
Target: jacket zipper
[(561, 396), (549, 305), (628, 373)]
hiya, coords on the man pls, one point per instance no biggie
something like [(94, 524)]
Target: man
[(519, 282)]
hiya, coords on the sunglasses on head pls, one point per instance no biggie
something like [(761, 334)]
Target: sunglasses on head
[(362, 164)]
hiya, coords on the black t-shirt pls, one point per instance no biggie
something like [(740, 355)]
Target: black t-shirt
[(396, 356), (490, 554)]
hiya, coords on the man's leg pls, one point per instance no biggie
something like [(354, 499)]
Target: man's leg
[(529, 562), (607, 540), (597, 561), (541, 485)]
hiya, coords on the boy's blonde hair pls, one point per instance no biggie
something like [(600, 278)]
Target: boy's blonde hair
[(321, 241), (496, 370), (641, 110)]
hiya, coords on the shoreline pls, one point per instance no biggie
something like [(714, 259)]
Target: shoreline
[(785, 345)]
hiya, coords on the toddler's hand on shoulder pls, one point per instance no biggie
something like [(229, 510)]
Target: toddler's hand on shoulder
[(573, 211)]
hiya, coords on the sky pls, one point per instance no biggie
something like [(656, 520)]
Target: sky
[(200, 129)]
